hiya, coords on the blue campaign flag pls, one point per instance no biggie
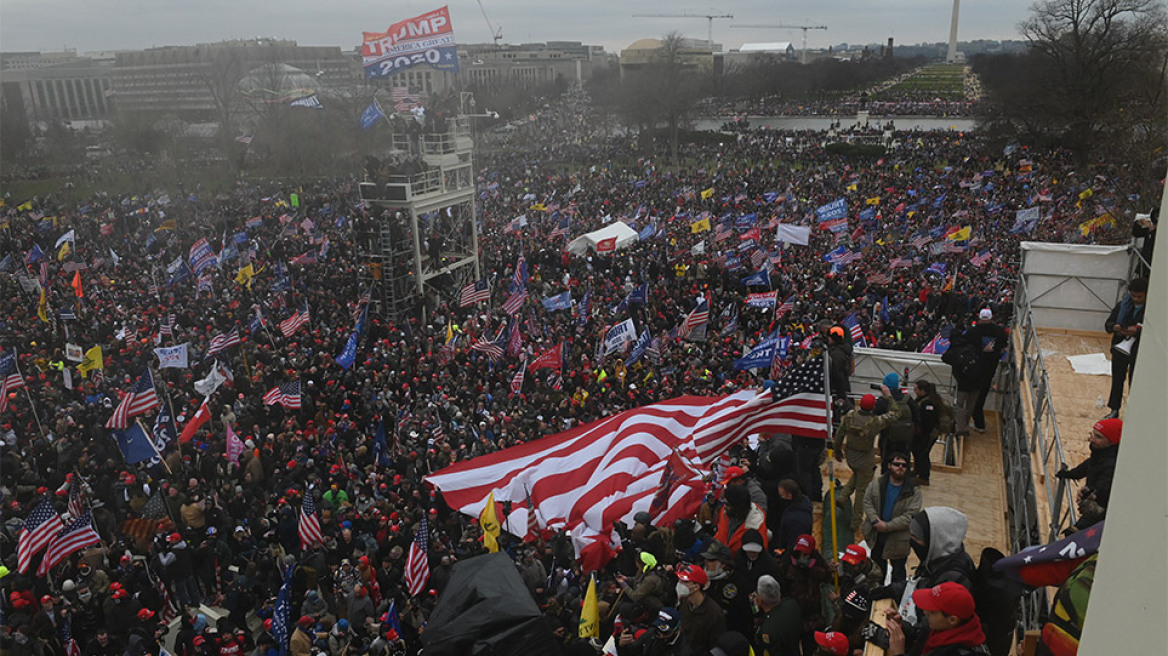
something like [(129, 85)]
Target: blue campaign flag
[(34, 254), (381, 448), (371, 115), (584, 311), (135, 445), (836, 209), (867, 214), (6, 263), (760, 356), (938, 231), (392, 622), (835, 254), (640, 295), (639, 348), (648, 232), (349, 354), (558, 302), (362, 319), (938, 200), (164, 429), (746, 221), (761, 278), (282, 613), (239, 238), (770, 196), (640, 184), (884, 309), (67, 314), (150, 240), (939, 268), (180, 275), (784, 345)]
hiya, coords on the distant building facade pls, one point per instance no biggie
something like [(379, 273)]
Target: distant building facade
[(55, 86), (488, 65), (696, 54)]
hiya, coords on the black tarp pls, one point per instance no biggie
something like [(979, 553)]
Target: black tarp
[(486, 610)]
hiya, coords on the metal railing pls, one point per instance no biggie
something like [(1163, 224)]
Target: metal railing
[(1022, 437)]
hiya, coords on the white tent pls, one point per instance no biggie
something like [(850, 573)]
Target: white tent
[(623, 233)]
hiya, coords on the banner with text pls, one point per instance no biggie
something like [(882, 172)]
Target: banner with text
[(425, 39)]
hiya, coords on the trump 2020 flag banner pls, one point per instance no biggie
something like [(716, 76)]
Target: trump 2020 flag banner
[(172, 357), (619, 335), (425, 39)]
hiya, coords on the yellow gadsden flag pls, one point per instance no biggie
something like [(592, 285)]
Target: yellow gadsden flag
[(699, 226), (94, 359), (490, 524), (244, 275), (707, 193), (590, 614), (42, 306)]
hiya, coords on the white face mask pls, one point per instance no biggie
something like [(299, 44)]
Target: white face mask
[(682, 590)]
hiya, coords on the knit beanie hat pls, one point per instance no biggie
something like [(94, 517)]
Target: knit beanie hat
[(1111, 429)]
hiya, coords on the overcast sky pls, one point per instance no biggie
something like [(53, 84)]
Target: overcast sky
[(89, 25)]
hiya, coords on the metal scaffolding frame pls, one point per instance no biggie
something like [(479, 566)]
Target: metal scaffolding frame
[(419, 243)]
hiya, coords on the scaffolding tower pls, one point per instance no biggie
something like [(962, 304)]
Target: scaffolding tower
[(418, 243)]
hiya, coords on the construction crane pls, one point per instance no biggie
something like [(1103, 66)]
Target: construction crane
[(780, 26), (496, 34), (709, 21)]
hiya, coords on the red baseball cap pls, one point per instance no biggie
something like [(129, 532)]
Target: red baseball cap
[(731, 474), (805, 544), (692, 574), (949, 598), (867, 402), (833, 642), (855, 554)]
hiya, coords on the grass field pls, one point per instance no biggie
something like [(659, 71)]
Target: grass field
[(945, 81)]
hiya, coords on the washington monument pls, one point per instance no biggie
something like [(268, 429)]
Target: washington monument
[(952, 56)]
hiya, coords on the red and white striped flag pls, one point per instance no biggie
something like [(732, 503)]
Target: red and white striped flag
[(514, 303), (39, 528), (309, 527), (73, 538), (517, 380), (418, 561), (608, 470), (223, 342), (76, 497), (141, 399), (289, 326)]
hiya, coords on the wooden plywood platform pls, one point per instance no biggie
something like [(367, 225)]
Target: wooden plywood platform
[(977, 489), (1078, 400)]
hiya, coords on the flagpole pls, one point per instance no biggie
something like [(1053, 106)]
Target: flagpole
[(173, 423), (138, 420), (830, 466), (31, 404)]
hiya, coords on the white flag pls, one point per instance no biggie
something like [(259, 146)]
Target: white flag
[(618, 336), (698, 248), (793, 234), (114, 257), (208, 385), (172, 357), (67, 237)]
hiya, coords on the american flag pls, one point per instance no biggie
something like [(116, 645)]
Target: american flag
[(758, 257), (562, 228), (289, 326), (308, 225), (72, 266), (170, 609), (695, 320), (721, 232), (287, 395), (493, 348), (404, 100), (515, 340), (71, 648), (900, 262), (418, 561), (853, 327), (476, 292), (39, 528), (517, 380), (77, 535), (309, 527), (308, 257), (594, 475), (76, 497), (920, 241), (141, 399), (221, 342), (244, 139), (514, 303), (10, 378), (532, 518), (254, 222), (167, 328), (879, 279), (981, 258)]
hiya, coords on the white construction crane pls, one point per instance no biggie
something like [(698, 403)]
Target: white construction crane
[(496, 34), (780, 26), (709, 21)]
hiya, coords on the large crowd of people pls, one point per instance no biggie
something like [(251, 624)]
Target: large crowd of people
[(926, 254)]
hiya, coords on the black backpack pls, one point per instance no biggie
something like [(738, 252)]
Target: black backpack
[(998, 599), (965, 363)]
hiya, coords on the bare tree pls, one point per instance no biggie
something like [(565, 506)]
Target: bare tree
[(220, 75), (1098, 58), (674, 86)]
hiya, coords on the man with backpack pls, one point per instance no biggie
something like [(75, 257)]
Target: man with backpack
[(974, 356), (856, 439)]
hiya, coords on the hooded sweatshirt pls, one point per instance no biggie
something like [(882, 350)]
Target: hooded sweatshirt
[(942, 529)]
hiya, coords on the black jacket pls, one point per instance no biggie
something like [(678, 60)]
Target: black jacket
[(1099, 470)]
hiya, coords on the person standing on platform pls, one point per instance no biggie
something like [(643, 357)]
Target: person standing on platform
[(1098, 469), (988, 340), (1124, 324), (889, 505)]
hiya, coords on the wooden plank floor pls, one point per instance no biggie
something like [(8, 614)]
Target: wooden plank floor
[(978, 490), (1079, 400)]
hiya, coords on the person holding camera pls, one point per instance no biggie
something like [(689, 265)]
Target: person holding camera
[(1124, 324), (953, 625), (1098, 469)]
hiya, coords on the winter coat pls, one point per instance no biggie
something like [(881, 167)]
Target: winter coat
[(907, 504), (946, 559), (1099, 470)]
